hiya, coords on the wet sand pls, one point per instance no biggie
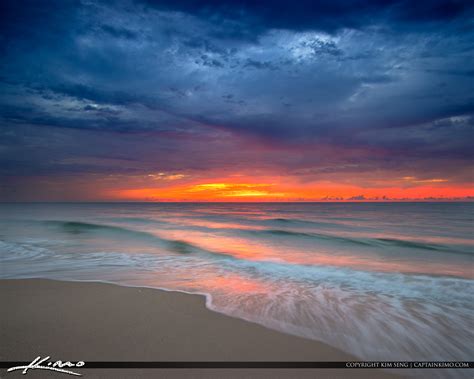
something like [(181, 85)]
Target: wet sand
[(105, 322)]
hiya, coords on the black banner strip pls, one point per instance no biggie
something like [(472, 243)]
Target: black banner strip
[(250, 365)]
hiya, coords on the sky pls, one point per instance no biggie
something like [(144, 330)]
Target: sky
[(236, 100)]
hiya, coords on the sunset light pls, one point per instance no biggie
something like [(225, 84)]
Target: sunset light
[(290, 190), (238, 185)]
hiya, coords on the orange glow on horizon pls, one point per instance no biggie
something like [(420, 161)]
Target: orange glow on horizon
[(227, 190), (233, 189)]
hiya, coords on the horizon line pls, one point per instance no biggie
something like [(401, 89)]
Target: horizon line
[(460, 200)]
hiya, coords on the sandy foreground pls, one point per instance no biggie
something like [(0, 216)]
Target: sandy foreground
[(104, 322)]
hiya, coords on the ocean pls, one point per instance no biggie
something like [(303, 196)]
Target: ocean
[(383, 281)]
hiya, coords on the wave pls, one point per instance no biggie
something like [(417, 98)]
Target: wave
[(320, 236), (176, 246), (18, 251), (301, 222), (411, 244), (184, 247), (280, 219), (392, 284), (366, 241), (77, 227)]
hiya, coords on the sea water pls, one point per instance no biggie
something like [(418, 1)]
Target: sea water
[(382, 281)]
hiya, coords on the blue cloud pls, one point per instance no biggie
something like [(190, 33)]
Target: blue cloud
[(386, 76)]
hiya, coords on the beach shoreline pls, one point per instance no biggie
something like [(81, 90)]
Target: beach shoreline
[(94, 321)]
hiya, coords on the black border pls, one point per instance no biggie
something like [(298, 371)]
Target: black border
[(256, 365)]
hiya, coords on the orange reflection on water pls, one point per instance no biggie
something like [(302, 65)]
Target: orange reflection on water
[(230, 283), (215, 224), (317, 255), (237, 247)]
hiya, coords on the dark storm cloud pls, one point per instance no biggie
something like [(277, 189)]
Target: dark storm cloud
[(119, 32), (328, 16), (391, 77)]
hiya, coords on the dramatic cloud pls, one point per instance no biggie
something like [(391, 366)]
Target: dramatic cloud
[(359, 93)]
